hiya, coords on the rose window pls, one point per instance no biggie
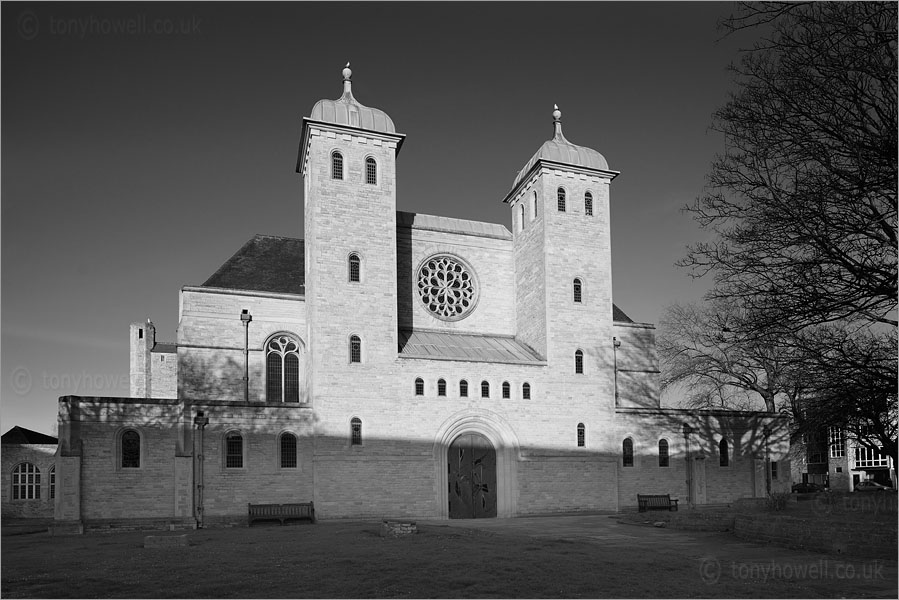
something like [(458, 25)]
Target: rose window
[(446, 287)]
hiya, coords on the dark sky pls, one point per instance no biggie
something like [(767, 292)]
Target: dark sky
[(143, 144)]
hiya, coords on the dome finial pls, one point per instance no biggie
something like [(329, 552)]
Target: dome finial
[(347, 84), (557, 123)]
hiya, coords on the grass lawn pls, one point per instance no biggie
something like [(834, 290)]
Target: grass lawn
[(350, 559)]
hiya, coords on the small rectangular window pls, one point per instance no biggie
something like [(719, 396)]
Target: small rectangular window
[(773, 469), (140, 334)]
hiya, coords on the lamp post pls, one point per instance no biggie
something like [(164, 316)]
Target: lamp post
[(200, 422), (245, 318), (687, 430), (767, 432), (616, 343)]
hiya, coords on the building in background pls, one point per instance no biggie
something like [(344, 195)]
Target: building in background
[(394, 364), (29, 474), (835, 460)]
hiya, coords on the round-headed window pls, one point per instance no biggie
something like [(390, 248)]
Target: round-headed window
[(446, 287)]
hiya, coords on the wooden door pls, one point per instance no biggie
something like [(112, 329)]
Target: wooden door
[(472, 477)]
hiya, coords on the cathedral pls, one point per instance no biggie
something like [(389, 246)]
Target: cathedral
[(402, 365)]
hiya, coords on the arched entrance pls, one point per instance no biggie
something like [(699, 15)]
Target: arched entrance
[(471, 469)]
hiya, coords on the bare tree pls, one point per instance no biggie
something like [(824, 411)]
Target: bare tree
[(853, 375), (803, 200), (704, 349)]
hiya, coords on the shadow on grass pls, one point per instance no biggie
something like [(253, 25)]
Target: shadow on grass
[(330, 560)]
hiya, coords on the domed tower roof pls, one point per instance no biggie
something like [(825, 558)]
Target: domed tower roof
[(346, 110), (560, 150)]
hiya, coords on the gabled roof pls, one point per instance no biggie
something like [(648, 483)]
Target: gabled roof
[(164, 348), (465, 346), (20, 435), (266, 263), (619, 316), (271, 263)]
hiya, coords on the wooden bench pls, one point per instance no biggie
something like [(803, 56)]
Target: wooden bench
[(280, 512), (656, 502)]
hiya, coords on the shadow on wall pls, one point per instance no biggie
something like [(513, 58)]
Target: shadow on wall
[(356, 474)]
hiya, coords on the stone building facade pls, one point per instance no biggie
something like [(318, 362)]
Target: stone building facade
[(395, 364), (29, 474)]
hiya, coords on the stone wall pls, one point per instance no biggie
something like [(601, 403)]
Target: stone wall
[(41, 456)]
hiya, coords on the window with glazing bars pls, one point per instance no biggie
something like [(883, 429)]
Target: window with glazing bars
[(419, 387), (578, 291), (627, 452), (288, 451), (130, 450), (663, 453), (441, 387), (588, 204), (26, 482), (507, 390), (53, 482), (560, 194), (282, 370), (337, 166), (581, 435), (485, 389), (578, 362), (355, 349), (371, 171), (463, 389), (234, 451), (526, 391), (354, 268), (356, 431)]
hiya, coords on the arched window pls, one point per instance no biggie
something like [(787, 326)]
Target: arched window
[(581, 435), (534, 203), (663, 453), (282, 370), (723, 458), (356, 431), (419, 387), (485, 389), (130, 449), (521, 218), (441, 387), (52, 482), (561, 196), (337, 166), (355, 349), (234, 451), (578, 362), (507, 390), (354, 268), (578, 290), (463, 389), (627, 452), (26, 482), (288, 449), (526, 391), (588, 204), (371, 171)]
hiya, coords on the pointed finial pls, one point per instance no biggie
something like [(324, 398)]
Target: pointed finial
[(557, 122)]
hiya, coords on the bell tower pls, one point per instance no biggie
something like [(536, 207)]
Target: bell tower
[(562, 245), (347, 157)]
